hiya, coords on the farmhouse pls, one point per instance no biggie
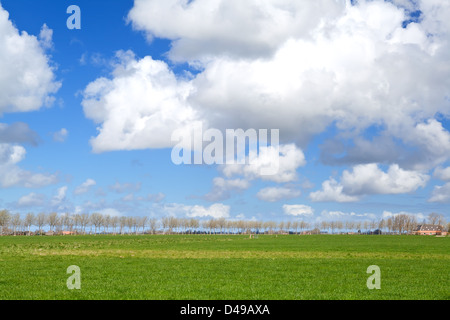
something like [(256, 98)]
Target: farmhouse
[(429, 229)]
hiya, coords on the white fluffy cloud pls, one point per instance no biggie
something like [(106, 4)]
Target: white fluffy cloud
[(331, 191), (31, 200), (369, 179), (61, 135), (216, 210), (223, 188), (298, 210), (125, 187), (441, 193), (12, 175), (442, 173), (278, 164), (60, 196), (85, 186), (252, 28), (273, 194), (139, 107), (27, 80), (295, 66)]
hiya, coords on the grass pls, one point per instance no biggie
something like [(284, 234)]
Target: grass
[(225, 267)]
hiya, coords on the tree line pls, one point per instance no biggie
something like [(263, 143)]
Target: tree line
[(94, 223)]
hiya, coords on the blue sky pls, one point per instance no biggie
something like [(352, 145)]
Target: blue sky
[(359, 91)]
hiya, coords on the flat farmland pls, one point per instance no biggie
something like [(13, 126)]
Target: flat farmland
[(224, 267)]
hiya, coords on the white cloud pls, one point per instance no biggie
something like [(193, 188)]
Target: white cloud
[(85, 186), (442, 173), (12, 175), (203, 28), (298, 210), (31, 200), (223, 188), (110, 212), (388, 214), (331, 191), (27, 81), (18, 132), (61, 135), (216, 210), (346, 215), (369, 179), (273, 194), (441, 193), (45, 37), (295, 66), (59, 197), (139, 107), (283, 161), (125, 187)]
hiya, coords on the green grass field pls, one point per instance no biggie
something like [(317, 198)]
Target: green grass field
[(225, 267)]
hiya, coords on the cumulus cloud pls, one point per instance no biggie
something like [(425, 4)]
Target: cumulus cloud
[(332, 191), (272, 163), (112, 212), (298, 210), (388, 214), (278, 164), (442, 173), (31, 200), (45, 37), (223, 188), (295, 66), (327, 215), (12, 175), (369, 179), (85, 186), (27, 80), (216, 210), (273, 194), (125, 187), (203, 28), (139, 107), (59, 197), (441, 193), (18, 132), (61, 135)]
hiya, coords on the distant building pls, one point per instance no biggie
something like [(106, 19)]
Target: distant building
[(430, 230)]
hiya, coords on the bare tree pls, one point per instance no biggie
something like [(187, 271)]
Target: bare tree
[(41, 221), (84, 221), (15, 222), (52, 220), (433, 218), (381, 224), (5, 217), (153, 223), (96, 221), (142, 223), (165, 223), (29, 221), (106, 223), (114, 223), (122, 224)]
